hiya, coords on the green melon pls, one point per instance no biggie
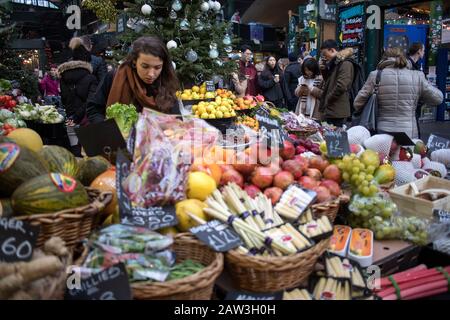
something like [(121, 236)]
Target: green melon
[(49, 193), (60, 160), (17, 165), (91, 168), (6, 210)]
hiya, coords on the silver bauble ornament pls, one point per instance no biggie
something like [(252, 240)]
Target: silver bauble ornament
[(172, 44), (184, 24), (177, 5), (146, 9), (217, 6), (204, 6), (213, 53), (199, 25), (228, 49), (191, 55), (173, 15), (174, 65), (227, 40)]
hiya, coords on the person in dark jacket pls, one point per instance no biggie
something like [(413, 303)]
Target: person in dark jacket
[(247, 68), (270, 82), (292, 73), (99, 68), (77, 85), (415, 53), (146, 79)]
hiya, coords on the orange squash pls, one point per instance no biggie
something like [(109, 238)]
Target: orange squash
[(107, 182)]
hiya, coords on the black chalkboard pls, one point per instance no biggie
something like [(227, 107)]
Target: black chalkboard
[(217, 235), (270, 128), (254, 296), (108, 284), (210, 87), (436, 143), (17, 240), (441, 215), (337, 144), (151, 218)]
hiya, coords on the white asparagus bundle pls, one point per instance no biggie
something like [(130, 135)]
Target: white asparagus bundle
[(335, 289), (293, 203), (317, 227), (297, 294), (306, 217)]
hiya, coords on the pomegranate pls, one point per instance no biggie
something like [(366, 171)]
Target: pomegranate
[(293, 167), (288, 150), (323, 194), (283, 179), (232, 175), (274, 167), (262, 177), (332, 186), (307, 182), (274, 194), (252, 190), (316, 162), (314, 173), (244, 164), (303, 162), (332, 172)]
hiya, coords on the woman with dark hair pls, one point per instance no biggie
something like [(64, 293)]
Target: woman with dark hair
[(399, 91), (146, 79), (415, 53), (77, 85), (309, 89), (270, 82)]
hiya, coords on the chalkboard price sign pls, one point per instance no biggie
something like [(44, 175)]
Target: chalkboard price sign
[(108, 284), (254, 296), (210, 87), (337, 144), (270, 128), (17, 240), (217, 236), (122, 171), (436, 143)]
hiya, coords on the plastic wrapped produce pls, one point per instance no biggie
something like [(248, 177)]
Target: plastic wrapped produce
[(442, 156), (357, 135)]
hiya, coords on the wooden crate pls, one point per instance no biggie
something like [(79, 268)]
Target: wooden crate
[(412, 206)]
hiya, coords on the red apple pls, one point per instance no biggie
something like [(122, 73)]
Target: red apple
[(262, 177), (283, 179), (274, 194), (232, 175), (323, 194), (288, 150), (252, 190), (332, 172), (260, 98), (293, 167), (314, 173), (307, 182), (332, 186)]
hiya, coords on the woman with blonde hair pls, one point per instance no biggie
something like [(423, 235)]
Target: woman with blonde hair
[(400, 90)]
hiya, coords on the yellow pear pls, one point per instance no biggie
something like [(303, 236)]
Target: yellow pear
[(192, 206)]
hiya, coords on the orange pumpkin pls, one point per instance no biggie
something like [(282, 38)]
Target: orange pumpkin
[(107, 182)]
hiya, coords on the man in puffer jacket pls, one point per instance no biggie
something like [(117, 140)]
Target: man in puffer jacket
[(399, 92)]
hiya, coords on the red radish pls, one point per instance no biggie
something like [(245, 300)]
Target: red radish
[(323, 194), (307, 182), (332, 172), (274, 194), (262, 177), (288, 150), (332, 186), (252, 190), (232, 175), (314, 173), (293, 167), (283, 180)]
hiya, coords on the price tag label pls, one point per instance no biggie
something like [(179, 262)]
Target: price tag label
[(254, 296), (270, 128), (441, 215), (210, 87), (217, 235), (17, 240), (337, 144), (436, 143), (109, 284)]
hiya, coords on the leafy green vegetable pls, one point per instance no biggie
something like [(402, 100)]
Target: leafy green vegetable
[(184, 269), (125, 116)]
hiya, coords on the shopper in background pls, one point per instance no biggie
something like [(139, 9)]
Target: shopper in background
[(239, 84), (282, 64), (50, 88), (292, 73), (99, 68), (338, 72), (270, 82), (309, 89), (415, 53), (247, 68), (399, 91), (146, 79), (78, 84)]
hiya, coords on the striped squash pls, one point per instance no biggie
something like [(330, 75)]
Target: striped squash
[(91, 168), (60, 160), (49, 193)]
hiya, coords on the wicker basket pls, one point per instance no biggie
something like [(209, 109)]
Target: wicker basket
[(304, 133), (72, 225), (331, 208), (271, 274), (198, 286)]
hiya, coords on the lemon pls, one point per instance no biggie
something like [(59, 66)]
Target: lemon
[(201, 109), (200, 185), (223, 109), (226, 114), (219, 114), (186, 207), (205, 115), (212, 116), (187, 91), (197, 113), (195, 89), (233, 114), (184, 96), (194, 107), (210, 108), (203, 90)]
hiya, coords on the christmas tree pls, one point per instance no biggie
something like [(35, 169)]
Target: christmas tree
[(198, 38)]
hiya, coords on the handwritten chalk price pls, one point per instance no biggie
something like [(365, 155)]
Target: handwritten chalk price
[(217, 236), (17, 240)]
